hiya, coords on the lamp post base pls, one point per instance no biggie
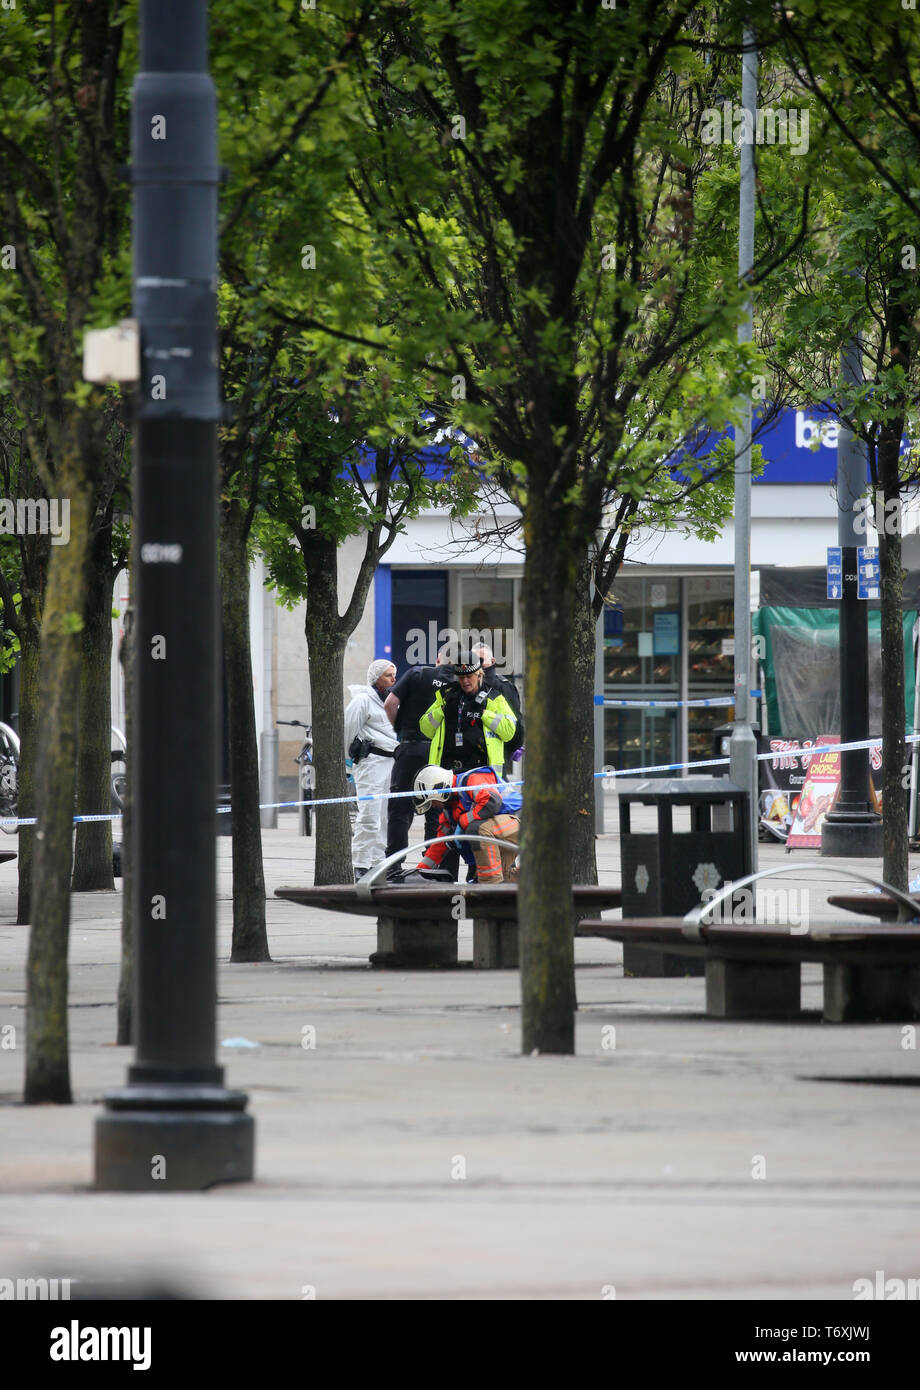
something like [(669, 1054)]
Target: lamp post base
[(852, 835), (173, 1138)]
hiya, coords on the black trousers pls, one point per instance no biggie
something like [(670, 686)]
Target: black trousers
[(408, 761)]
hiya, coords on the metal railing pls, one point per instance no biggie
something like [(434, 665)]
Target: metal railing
[(368, 881), (696, 918)]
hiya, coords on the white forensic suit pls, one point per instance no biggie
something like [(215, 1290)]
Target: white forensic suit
[(366, 718)]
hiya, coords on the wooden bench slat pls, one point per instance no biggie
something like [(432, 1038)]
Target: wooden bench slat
[(495, 900), (869, 943), (868, 904)]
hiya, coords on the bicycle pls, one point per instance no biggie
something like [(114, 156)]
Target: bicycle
[(9, 776), (119, 770), (307, 779)]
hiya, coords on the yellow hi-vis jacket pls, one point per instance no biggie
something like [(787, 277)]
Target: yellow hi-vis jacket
[(498, 722)]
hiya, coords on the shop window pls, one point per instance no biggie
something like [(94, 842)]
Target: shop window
[(645, 651), (710, 656)]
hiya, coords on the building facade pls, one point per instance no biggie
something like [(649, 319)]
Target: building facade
[(668, 626)]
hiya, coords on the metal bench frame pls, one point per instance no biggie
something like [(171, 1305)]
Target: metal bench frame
[(871, 974), (413, 929)]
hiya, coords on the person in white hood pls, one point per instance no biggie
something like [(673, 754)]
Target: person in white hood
[(369, 742)]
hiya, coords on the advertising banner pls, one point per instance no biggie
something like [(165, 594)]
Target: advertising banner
[(819, 793)]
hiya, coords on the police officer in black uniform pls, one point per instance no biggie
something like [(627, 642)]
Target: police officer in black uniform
[(494, 681), (412, 694)]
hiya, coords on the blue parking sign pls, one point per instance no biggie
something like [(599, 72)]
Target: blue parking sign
[(834, 571), (868, 575)]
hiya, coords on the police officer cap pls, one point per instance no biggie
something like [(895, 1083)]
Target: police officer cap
[(465, 661)]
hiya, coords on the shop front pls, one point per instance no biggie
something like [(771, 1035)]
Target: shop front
[(666, 638), (418, 610)]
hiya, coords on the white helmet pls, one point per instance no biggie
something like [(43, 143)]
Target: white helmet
[(434, 784)]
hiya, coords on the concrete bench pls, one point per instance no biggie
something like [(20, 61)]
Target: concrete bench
[(871, 970), (417, 924)]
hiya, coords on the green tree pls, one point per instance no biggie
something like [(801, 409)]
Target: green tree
[(858, 283), (548, 210), (339, 475), (62, 137), (284, 100)]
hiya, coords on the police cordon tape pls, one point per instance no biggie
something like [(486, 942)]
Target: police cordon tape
[(716, 702), (630, 772)]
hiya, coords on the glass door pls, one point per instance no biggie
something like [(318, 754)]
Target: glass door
[(642, 650), (487, 614)]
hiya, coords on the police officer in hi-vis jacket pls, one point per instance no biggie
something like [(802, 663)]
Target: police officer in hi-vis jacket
[(468, 725)]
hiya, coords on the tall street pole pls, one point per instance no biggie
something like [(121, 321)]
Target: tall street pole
[(742, 746), (600, 756), (175, 1126), (852, 829)]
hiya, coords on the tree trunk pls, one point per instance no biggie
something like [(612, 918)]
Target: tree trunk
[(250, 941), (125, 1025), (29, 660), (545, 906), (584, 856), (894, 761), (326, 647), (93, 845), (47, 1060)]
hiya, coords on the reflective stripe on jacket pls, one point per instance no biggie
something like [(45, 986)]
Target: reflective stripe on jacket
[(498, 723)]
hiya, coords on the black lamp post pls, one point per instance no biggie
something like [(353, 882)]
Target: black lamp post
[(175, 1125), (852, 829)]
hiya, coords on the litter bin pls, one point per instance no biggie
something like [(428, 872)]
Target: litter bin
[(667, 872)]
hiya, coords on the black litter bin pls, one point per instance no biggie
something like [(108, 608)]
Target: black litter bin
[(666, 873)]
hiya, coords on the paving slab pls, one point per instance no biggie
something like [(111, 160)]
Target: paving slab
[(411, 1152)]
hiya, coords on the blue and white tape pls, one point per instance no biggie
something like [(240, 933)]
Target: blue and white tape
[(716, 702), (605, 772)]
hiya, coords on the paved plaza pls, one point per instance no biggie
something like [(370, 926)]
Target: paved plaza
[(412, 1153)]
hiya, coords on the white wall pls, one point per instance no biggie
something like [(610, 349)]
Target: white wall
[(790, 525)]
